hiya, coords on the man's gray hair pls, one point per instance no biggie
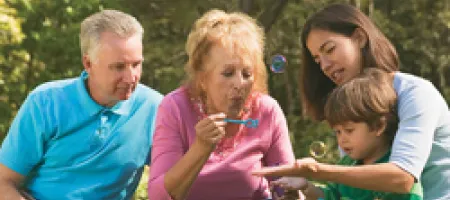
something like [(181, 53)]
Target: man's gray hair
[(120, 23)]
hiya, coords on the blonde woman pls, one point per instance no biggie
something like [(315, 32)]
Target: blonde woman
[(196, 153)]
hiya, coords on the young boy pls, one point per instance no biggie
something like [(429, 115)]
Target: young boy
[(362, 113)]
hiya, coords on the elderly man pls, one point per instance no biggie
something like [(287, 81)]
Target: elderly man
[(86, 137)]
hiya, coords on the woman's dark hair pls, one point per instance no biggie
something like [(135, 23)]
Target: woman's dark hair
[(341, 19)]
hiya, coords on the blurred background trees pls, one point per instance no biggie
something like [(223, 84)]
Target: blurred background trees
[(39, 43)]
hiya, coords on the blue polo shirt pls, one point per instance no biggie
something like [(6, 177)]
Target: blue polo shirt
[(69, 147)]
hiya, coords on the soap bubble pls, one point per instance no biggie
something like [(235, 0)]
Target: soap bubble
[(279, 63), (317, 149)]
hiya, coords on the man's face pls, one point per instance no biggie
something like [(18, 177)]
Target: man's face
[(116, 70)]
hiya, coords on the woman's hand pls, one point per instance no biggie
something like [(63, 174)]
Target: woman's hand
[(288, 188), (290, 183), (300, 168), (211, 129)]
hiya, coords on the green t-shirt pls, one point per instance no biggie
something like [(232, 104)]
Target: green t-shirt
[(334, 191)]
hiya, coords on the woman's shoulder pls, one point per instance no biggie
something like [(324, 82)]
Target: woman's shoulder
[(405, 83), (417, 92), (267, 104), (406, 79), (178, 94), (178, 97), (265, 100), (265, 97)]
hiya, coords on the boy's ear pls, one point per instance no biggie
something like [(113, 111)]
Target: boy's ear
[(382, 126), (360, 36)]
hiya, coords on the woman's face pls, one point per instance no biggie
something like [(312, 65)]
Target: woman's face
[(228, 81), (339, 56)]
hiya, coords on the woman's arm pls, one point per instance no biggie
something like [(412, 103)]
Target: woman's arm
[(178, 180), (173, 170), (385, 177), (420, 108)]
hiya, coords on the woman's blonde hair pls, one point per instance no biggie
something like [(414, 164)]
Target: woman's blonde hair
[(234, 31)]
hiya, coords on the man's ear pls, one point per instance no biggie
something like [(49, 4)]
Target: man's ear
[(360, 36), (87, 62)]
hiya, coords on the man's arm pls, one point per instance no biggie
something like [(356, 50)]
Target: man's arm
[(9, 184), (22, 148)]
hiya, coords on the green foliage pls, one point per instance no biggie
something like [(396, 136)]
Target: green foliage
[(141, 191), (304, 132)]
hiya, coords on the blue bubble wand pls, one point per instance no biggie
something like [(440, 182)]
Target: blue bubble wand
[(249, 123)]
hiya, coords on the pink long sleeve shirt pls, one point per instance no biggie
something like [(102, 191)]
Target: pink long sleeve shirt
[(226, 178)]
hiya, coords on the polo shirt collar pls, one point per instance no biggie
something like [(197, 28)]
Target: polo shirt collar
[(92, 107)]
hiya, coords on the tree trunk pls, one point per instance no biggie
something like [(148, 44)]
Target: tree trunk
[(436, 69), (290, 98), (386, 7), (447, 74), (270, 14), (370, 8), (356, 3), (29, 74), (246, 6)]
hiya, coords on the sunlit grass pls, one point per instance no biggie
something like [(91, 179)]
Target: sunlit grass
[(141, 191)]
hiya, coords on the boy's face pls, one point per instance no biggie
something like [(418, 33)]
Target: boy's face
[(359, 142)]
